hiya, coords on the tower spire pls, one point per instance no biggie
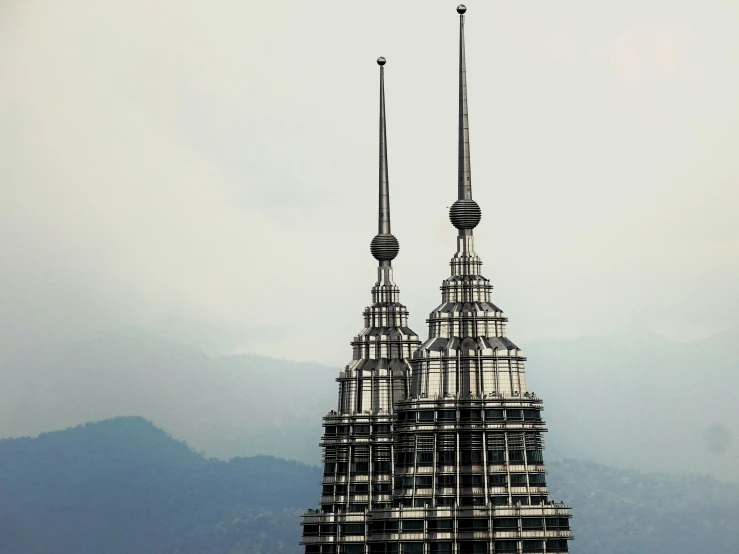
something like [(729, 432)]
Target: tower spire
[(384, 246), (384, 216), (464, 214), (465, 183)]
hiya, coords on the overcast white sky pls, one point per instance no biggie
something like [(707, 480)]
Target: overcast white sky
[(208, 170)]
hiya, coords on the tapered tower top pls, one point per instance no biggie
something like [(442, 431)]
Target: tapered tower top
[(464, 214), (384, 246)]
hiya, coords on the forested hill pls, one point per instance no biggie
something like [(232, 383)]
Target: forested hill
[(124, 486)]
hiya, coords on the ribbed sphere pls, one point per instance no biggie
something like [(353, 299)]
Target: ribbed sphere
[(465, 214), (384, 247), (461, 9), (381, 61)]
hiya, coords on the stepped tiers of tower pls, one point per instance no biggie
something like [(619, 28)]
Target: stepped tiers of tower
[(435, 447)]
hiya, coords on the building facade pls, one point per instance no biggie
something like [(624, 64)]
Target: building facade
[(435, 447)]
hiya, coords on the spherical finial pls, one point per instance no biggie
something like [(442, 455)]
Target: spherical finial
[(381, 61), (461, 9), (384, 247), (465, 214)]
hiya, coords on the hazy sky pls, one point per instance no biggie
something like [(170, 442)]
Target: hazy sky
[(208, 170)]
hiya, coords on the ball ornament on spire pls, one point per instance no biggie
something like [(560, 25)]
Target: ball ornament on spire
[(384, 247), (381, 61), (461, 9), (465, 214)]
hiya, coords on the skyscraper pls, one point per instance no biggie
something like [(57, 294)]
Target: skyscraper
[(454, 434)]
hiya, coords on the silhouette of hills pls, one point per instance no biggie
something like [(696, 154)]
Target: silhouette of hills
[(125, 486)]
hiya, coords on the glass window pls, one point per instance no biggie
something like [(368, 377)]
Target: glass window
[(424, 480), (412, 525), (528, 523), (328, 529), (505, 523), (500, 500), (406, 458), (342, 430), (558, 523), (537, 479), (515, 456), (447, 414), (440, 548), (360, 488), (382, 467), (496, 456), (426, 416), (522, 500), (557, 545), (353, 549), (474, 547), (478, 524), (534, 415), (329, 468), (341, 488), (446, 480), (506, 546), (382, 487), (362, 429), (425, 458), (382, 428), (446, 458), (411, 547), (498, 479), (514, 414), (533, 546), (331, 430), (518, 479), (472, 415), (534, 456), (441, 525), (352, 529), (494, 414), (328, 489), (360, 467), (471, 480), (472, 456)]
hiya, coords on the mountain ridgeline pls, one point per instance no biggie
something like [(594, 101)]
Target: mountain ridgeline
[(124, 486), (631, 401)]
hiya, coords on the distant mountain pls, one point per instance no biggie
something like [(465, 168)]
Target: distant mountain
[(124, 486), (638, 401), (224, 406)]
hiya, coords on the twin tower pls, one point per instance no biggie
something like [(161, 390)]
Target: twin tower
[(435, 447)]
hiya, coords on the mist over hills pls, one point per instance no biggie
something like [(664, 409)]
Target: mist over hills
[(640, 402), (123, 486)]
